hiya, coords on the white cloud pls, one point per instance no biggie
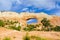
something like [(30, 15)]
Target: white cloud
[(19, 1), (7, 4), (41, 4), (47, 4)]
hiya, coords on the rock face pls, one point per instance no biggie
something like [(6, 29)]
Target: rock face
[(55, 20), (23, 17)]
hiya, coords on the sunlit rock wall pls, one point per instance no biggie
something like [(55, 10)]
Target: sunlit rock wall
[(23, 17)]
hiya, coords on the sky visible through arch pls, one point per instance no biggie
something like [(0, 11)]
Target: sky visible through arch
[(47, 6)]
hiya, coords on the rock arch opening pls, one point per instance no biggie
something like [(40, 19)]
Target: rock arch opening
[(32, 20)]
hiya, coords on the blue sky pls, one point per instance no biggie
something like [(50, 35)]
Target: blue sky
[(32, 21), (36, 6)]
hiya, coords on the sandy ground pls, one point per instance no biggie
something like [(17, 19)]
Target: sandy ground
[(18, 35)]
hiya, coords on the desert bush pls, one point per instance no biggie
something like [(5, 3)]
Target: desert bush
[(46, 24), (2, 23), (26, 37), (57, 28), (29, 28), (14, 27), (7, 38), (37, 38)]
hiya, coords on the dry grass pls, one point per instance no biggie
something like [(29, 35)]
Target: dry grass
[(18, 35)]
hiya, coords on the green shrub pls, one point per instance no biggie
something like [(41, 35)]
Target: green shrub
[(26, 37), (29, 28), (45, 22), (37, 38), (10, 22), (57, 28), (26, 29), (7, 38), (15, 28), (2, 23), (46, 25)]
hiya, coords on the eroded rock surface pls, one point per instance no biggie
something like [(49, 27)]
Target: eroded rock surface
[(22, 19)]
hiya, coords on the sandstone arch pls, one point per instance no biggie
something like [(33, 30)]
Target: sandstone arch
[(25, 16)]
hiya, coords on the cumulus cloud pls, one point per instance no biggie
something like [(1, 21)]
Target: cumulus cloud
[(47, 4), (30, 5), (6, 5)]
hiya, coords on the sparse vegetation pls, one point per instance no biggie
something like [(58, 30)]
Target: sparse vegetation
[(57, 28), (11, 24), (7, 38), (37, 38), (45, 22), (15, 28), (27, 37), (46, 25), (29, 28), (2, 23)]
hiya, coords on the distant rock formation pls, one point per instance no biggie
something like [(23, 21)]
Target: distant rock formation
[(17, 34), (23, 17)]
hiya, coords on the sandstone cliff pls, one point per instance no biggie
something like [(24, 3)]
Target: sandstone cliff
[(17, 21)]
